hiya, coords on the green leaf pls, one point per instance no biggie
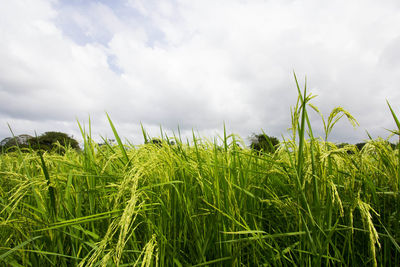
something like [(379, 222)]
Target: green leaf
[(121, 146), (4, 255)]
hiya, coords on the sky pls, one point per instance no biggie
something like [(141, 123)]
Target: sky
[(197, 65)]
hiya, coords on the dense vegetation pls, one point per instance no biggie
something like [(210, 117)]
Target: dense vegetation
[(264, 143), (48, 141), (204, 203)]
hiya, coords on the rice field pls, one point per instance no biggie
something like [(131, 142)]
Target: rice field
[(204, 202)]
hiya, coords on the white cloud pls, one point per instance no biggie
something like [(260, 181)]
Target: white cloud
[(196, 64)]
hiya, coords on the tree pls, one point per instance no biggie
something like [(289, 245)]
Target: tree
[(11, 143), (6, 141), (156, 141), (264, 143), (349, 147), (360, 145), (342, 145), (160, 142), (48, 141)]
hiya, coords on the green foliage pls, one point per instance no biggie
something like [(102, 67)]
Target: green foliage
[(160, 142), (360, 145), (264, 143), (200, 204), (54, 141), (48, 141), (11, 143), (156, 142), (342, 145)]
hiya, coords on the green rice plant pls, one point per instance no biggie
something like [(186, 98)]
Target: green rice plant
[(203, 202), (398, 146)]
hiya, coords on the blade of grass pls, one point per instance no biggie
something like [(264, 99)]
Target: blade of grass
[(121, 146), (53, 210), (16, 248)]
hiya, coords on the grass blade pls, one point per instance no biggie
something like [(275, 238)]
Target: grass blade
[(4, 255), (121, 146)]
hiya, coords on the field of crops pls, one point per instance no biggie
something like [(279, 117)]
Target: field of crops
[(204, 203)]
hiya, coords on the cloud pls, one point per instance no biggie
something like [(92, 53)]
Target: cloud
[(196, 64)]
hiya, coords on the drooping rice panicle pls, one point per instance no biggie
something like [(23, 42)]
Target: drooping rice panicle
[(204, 202)]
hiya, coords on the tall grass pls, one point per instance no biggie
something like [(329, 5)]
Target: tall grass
[(201, 203)]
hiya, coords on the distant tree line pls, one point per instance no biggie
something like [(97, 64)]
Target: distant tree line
[(57, 141), (49, 141), (362, 144), (268, 144)]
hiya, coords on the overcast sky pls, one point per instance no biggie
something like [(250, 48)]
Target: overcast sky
[(196, 64)]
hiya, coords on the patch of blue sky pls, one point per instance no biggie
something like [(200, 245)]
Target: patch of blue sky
[(78, 21), (112, 63)]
